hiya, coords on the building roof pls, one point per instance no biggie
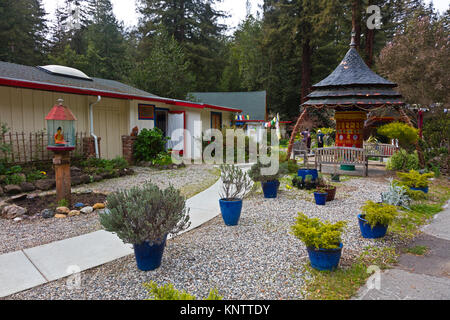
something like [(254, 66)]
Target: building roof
[(251, 103), (354, 86), (16, 75)]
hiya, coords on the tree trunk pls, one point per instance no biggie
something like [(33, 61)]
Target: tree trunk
[(370, 38), (295, 131), (356, 21), (306, 70), (418, 148)]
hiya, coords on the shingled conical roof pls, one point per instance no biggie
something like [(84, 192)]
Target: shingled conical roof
[(354, 86)]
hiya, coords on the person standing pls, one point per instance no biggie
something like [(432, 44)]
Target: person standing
[(320, 138)]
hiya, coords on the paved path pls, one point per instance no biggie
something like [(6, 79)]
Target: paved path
[(418, 277), (25, 269)]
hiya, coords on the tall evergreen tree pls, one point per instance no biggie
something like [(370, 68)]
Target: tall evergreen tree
[(194, 24), (22, 31)]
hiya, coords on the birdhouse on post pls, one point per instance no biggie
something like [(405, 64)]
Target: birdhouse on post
[(61, 140)]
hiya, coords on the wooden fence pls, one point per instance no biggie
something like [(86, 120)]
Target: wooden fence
[(31, 147)]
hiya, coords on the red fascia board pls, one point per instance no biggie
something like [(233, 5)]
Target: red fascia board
[(65, 89), (259, 121)]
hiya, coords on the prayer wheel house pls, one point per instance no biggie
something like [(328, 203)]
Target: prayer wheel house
[(353, 90)]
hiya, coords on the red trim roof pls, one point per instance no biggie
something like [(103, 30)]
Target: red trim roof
[(260, 121), (83, 91), (61, 113)]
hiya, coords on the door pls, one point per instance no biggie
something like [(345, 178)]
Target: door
[(176, 120), (161, 120), (216, 120)]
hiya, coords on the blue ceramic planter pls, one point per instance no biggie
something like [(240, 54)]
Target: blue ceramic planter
[(270, 189), (321, 198), (425, 190), (304, 172), (379, 231), (149, 257), (231, 211), (325, 259)]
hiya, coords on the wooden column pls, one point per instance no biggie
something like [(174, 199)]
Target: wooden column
[(61, 161)]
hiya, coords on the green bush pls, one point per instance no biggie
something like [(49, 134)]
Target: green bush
[(168, 292), (14, 179), (379, 213), (35, 175), (163, 159), (120, 163), (413, 179), (316, 234), (256, 175), (149, 144), (145, 214), (403, 161), (405, 134)]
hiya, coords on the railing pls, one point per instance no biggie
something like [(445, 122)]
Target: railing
[(31, 147), (380, 150)]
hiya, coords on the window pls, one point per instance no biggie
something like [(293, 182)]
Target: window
[(146, 112)]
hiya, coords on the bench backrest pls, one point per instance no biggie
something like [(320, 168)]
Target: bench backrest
[(380, 149), (341, 155)]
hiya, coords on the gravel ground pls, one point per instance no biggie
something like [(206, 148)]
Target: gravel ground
[(31, 233), (259, 259)]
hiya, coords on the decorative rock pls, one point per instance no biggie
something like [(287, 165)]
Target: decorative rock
[(17, 219), (32, 196), (62, 210), (85, 178), (98, 206), (74, 213), (45, 184), (12, 189), (79, 205), (13, 211), (76, 180), (47, 213), (60, 216), (18, 198), (97, 178), (3, 204), (27, 187), (87, 210)]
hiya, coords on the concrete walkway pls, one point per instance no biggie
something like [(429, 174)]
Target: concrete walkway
[(25, 269), (417, 277)]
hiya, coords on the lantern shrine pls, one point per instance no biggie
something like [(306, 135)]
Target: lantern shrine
[(61, 128), (61, 140), (353, 90)]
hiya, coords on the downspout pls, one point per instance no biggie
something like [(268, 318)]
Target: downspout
[(91, 118)]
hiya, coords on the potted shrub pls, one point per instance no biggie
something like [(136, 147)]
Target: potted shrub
[(415, 181), (269, 183), (309, 182), (320, 195), (144, 217), (322, 240), (328, 188), (375, 219), (335, 176), (235, 185)]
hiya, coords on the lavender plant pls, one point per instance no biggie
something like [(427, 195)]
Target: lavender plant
[(145, 213)]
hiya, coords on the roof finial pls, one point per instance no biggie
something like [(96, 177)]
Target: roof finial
[(60, 101), (353, 43)]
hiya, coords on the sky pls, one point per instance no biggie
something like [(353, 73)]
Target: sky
[(125, 10)]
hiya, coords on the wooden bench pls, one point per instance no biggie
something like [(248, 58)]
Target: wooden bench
[(299, 149), (342, 156), (380, 150)]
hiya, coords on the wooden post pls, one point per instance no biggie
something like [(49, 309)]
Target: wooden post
[(61, 160)]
